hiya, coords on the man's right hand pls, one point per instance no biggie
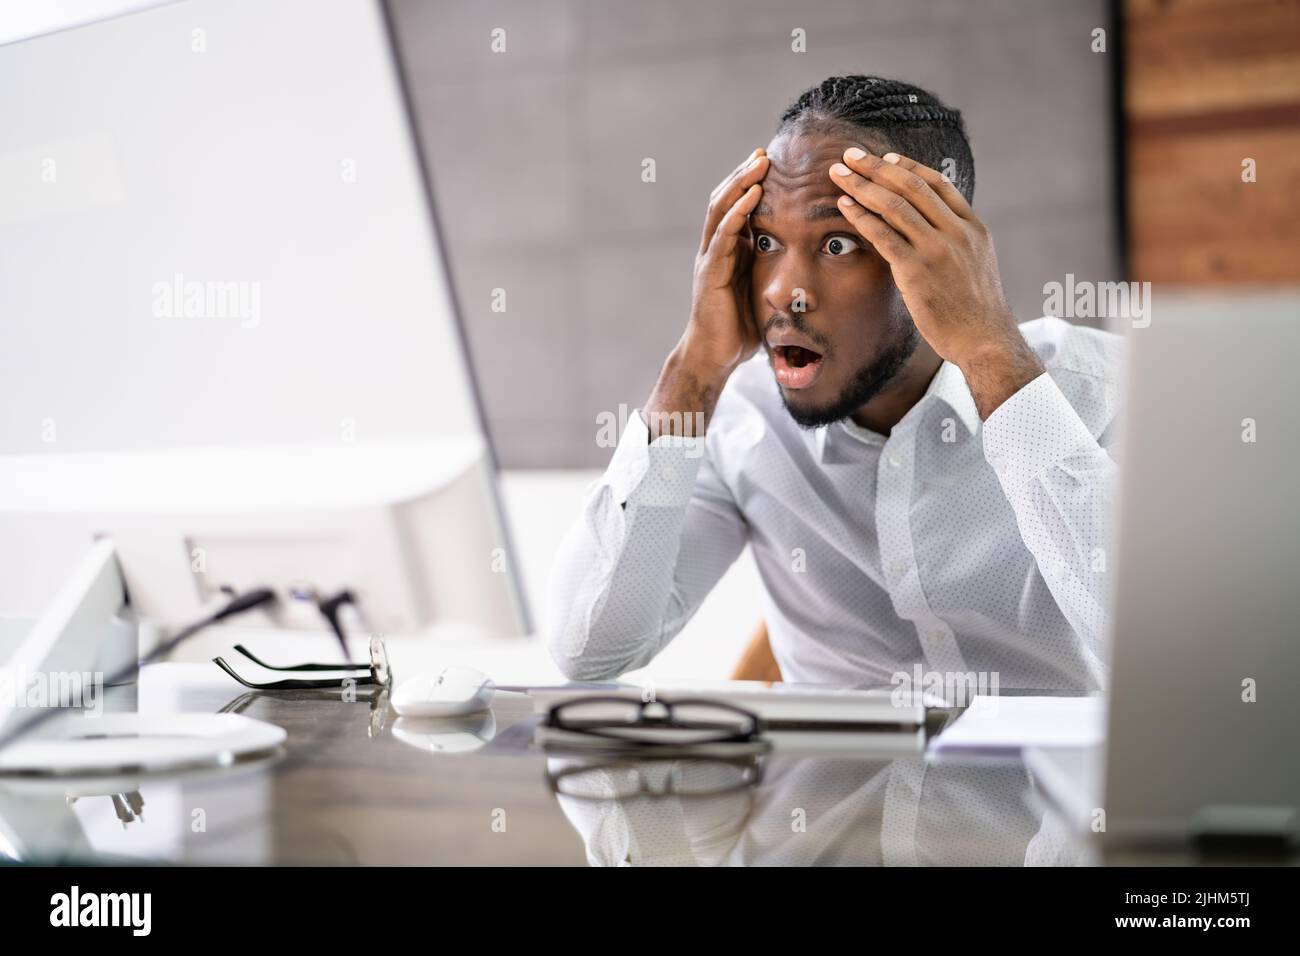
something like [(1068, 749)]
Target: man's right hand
[(722, 332)]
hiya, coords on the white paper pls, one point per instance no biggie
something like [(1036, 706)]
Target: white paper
[(1010, 723)]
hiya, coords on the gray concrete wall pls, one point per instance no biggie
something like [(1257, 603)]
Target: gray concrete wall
[(537, 152)]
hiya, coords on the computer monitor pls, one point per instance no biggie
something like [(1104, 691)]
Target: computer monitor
[(1199, 742), (1200, 737), (231, 345)]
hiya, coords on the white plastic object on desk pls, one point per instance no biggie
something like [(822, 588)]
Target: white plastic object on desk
[(139, 743), (448, 692)]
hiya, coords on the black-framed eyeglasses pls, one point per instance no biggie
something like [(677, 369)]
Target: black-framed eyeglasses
[(627, 721), (657, 778), (377, 673)]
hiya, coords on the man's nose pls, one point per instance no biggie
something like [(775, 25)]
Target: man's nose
[(789, 289)]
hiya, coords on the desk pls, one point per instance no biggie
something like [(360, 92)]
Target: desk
[(347, 789)]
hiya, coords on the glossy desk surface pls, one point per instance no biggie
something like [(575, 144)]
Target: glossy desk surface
[(354, 784)]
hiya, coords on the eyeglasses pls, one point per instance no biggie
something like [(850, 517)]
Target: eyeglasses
[(378, 673), (657, 778), (628, 722)]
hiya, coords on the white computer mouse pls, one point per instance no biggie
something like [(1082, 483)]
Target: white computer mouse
[(448, 692)]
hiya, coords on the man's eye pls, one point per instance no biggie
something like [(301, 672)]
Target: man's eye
[(840, 246), (764, 242)]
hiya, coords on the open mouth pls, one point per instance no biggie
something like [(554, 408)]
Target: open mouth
[(796, 366)]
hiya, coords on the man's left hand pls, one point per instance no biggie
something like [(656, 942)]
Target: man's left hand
[(942, 259)]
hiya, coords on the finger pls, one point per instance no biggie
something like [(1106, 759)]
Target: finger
[(939, 185), (905, 183), (732, 226), (737, 171), (892, 206), (727, 194), (893, 248)]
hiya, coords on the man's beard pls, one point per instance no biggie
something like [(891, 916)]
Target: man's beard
[(868, 382)]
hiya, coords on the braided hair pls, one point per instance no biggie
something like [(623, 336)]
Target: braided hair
[(894, 115)]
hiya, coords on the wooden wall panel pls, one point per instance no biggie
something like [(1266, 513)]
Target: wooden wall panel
[(1209, 83)]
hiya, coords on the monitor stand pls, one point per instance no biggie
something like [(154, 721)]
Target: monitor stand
[(86, 629)]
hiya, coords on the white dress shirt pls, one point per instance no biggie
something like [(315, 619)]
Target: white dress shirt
[(951, 544)]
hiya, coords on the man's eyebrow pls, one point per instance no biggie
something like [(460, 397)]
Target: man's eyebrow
[(815, 213), (822, 211)]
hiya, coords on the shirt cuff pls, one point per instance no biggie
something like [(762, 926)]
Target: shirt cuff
[(660, 473), (1033, 430)]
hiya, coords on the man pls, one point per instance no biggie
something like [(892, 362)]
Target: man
[(922, 481)]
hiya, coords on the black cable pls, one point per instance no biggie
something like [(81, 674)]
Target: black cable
[(329, 608), (239, 604)]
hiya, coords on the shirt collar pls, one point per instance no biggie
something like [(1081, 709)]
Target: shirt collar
[(948, 385)]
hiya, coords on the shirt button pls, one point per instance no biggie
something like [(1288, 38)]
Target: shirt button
[(899, 568), (937, 636), (894, 462)]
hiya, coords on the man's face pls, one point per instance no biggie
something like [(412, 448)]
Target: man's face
[(853, 333)]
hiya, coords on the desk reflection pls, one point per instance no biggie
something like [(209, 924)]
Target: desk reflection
[(807, 811)]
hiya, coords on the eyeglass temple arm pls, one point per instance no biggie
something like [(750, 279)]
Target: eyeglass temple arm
[(288, 684), (301, 667)]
